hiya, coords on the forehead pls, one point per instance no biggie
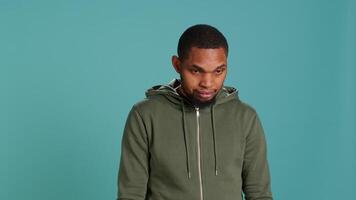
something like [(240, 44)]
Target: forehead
[(206, 57)]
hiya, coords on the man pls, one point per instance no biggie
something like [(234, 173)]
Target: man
[(194, 139)]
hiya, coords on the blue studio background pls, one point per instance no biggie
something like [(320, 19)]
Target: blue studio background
[(72, 69)]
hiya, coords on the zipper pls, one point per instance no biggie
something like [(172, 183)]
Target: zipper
[(199, 164)]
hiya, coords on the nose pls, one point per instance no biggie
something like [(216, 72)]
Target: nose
[(206, 81)]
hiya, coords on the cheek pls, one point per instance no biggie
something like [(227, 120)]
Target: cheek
[(220, 81), (190, 81)]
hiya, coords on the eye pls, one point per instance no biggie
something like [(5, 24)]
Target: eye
[(195, 71), (219, 71)]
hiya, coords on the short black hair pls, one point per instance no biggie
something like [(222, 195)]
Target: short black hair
[(201, 36)]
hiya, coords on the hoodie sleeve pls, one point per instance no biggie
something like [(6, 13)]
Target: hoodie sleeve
[(255, 170), (134, 163)]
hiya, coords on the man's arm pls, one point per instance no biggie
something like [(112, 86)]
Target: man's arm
[(134, 162), (255, 171)]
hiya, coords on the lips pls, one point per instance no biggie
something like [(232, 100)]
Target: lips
[(205, 94)]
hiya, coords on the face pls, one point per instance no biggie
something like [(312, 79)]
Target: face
[(203, 73)]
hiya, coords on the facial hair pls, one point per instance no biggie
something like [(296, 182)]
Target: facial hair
[(196, 102)]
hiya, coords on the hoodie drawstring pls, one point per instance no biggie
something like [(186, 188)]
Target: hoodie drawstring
[(185, 139), (214, 138)]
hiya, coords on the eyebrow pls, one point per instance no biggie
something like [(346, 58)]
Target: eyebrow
[(201, 69)]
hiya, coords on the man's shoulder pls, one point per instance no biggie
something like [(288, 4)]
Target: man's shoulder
[(241, 106), (149, 104)]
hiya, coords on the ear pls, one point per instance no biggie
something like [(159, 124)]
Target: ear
[(176, 63)]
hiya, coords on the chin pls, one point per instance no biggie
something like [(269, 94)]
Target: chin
[(203, 102)]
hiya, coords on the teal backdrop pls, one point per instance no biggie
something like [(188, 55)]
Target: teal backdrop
[(72, 69)]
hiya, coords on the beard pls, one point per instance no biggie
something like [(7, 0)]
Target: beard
[(202, 104), (195, 101)]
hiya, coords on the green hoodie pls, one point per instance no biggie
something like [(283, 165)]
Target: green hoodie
[(172, 150)]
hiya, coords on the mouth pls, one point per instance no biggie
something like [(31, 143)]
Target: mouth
[(205, 94)]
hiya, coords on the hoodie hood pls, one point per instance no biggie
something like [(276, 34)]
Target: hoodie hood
[(170, 91), (226, 93)]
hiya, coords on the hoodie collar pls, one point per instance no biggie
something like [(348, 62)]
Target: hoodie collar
[(226, 93)]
